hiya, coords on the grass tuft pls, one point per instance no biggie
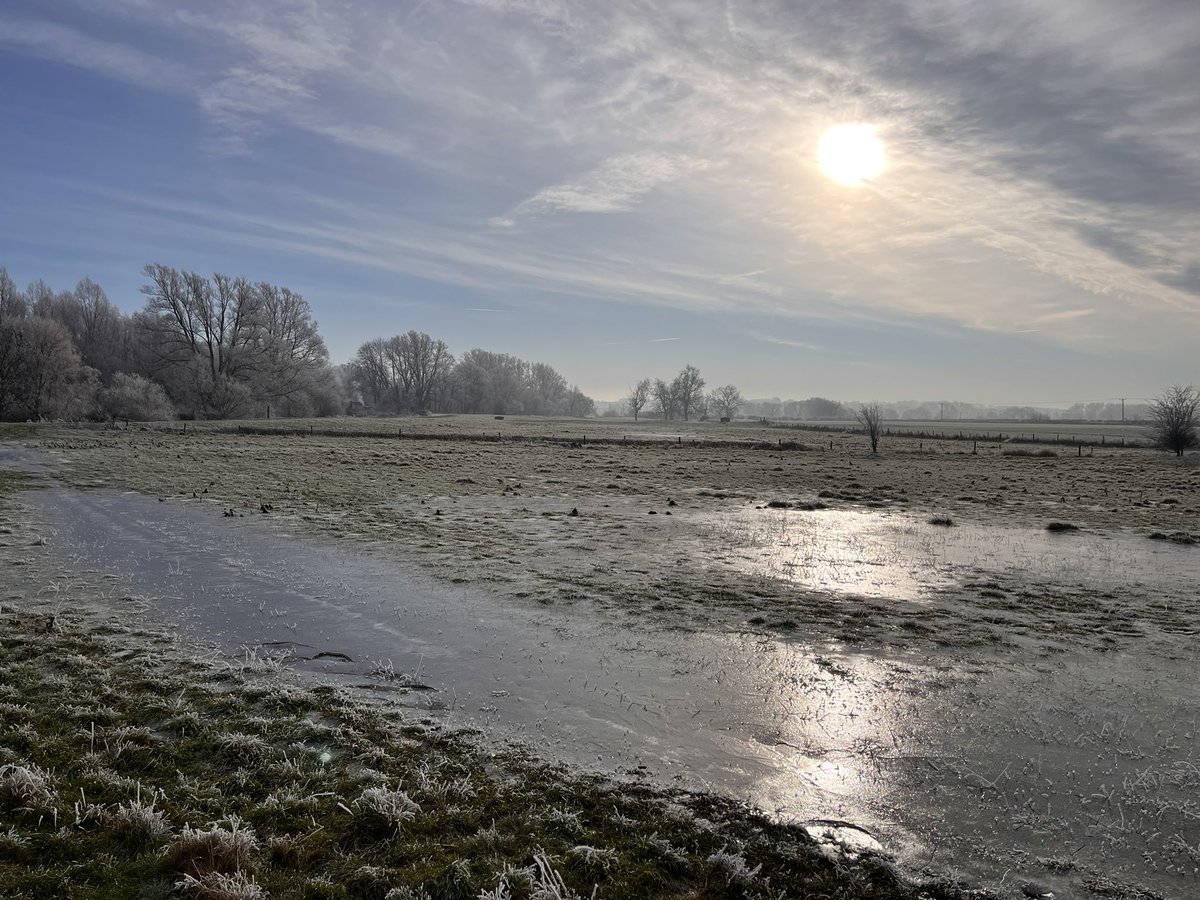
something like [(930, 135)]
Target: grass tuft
[(219, 886), (25, 787), (137, 825), (216, 850), (394, 807)]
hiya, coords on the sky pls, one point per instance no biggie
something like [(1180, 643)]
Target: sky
[(623, 188)]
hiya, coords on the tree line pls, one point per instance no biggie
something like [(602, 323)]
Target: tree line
[(683, 397), (414, 372), (201, 347), (213, 347)]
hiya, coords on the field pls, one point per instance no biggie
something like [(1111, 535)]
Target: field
[(973, 652)]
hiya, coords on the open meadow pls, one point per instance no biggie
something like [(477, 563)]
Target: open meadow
[(959, 658)]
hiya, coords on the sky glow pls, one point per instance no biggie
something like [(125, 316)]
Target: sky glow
[(573, 182)]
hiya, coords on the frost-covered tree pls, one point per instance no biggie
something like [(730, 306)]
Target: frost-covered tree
[(688, 388), (639, 396), (725, 401), (1174, 417)]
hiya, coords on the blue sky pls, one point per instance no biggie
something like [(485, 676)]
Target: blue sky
[(622, 188)]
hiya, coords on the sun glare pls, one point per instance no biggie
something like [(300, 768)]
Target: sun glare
[(850, 154)]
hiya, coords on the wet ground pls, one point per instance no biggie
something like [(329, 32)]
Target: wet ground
[(1052, 768), (901, 556)]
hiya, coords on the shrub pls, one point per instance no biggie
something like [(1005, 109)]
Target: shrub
[(136, 399)]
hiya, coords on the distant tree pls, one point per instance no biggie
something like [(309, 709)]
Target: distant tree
[(12, 364), (639, 396), (665, 398), (37, 295), (287, 353), (413, 367), (40, 371), (579, 404), (870, 417), (546, 391), (370, 374), (95, 327), (13, 304), (688, 388), (491, 382), (725, 401), (820, 408), (1174, 417), (204, 336)]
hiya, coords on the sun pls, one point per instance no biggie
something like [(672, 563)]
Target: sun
[(850, 154)]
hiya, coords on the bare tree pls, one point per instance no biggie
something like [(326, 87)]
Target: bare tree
[(368, 373), (42, 376), (490, 382), (870, 417), (546, 391), (725, 401), (288, 350), (1174, 417), (96, 327), (639, 396), (579, 404), (665, 398), (688, 388), (204, 335)]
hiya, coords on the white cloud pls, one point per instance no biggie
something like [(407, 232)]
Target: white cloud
[(614, 186), (60, 43)]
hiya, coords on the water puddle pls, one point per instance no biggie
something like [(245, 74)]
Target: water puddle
[(978, 766), (892, 554)]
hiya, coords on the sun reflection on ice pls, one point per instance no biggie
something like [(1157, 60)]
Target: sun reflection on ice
[(894, 555)]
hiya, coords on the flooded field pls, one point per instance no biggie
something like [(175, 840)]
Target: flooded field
[(997, 701), (980, 765)]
